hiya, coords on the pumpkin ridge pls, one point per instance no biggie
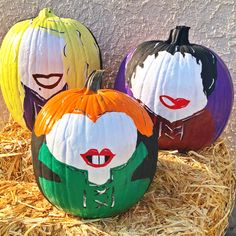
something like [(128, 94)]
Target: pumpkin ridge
[(193, 81), (112, 102), (74, 47), (22, 59), (86, 61), (15, 106), (84, 31)]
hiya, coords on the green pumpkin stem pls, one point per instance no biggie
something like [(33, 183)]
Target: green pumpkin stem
[(179, 35), (94, 81)]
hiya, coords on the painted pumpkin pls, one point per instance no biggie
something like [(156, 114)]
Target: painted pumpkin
[(94, 151), (186, 88), (40, 57)]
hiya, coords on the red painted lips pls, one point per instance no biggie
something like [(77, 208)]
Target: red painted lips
[(98, 159), (174, 104)]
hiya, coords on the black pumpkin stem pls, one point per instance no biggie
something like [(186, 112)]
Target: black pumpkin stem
[(179, 35), (94, 81)]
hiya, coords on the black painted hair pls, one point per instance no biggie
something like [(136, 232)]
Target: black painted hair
[(40, 169), (177, 42)]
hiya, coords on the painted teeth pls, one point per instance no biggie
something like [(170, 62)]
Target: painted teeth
[(98, 160), (95, 160), (102, 159)]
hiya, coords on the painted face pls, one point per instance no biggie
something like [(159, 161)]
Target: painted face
[(177, 88), (41, 64), (95, 147)]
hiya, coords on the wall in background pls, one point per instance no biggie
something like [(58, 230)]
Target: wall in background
[(119, 25)]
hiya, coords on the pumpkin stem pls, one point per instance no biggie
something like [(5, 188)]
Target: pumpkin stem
[(46, 12), (179, 35), (169, 40), (94, 81)]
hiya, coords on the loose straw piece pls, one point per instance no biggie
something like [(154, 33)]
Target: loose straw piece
[(192, 194)]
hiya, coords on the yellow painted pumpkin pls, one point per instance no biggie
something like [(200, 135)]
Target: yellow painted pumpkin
[(39, 58)]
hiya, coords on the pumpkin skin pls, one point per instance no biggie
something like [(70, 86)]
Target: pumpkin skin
[(94, 151), (41, 57), (186, 88)]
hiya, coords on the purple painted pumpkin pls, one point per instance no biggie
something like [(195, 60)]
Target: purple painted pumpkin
[(186, 88)]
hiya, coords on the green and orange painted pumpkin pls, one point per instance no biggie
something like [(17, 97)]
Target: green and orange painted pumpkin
[(94, 150), (42, 56)]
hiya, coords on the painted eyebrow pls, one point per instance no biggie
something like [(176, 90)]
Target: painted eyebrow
[(60, 32)]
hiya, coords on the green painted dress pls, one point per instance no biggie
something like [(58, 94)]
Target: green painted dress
[(76, 195)]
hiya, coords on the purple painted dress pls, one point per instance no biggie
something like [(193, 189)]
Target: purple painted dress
[(33, 103)]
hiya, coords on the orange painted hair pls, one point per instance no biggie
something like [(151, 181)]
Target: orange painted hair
[(92, 102)]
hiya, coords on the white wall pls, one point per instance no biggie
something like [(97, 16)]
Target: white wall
[(119, 25)]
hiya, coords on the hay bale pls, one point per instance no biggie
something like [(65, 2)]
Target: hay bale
[(192, 194), (15, 155)]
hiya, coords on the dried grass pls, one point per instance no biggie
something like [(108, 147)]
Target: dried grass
[(192, 194), (15, 155)]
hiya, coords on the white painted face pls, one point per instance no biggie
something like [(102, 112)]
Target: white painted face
[(96, 147), (41, 61), (170, 85)]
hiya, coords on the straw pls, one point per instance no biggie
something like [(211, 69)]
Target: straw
[(192, 194)]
